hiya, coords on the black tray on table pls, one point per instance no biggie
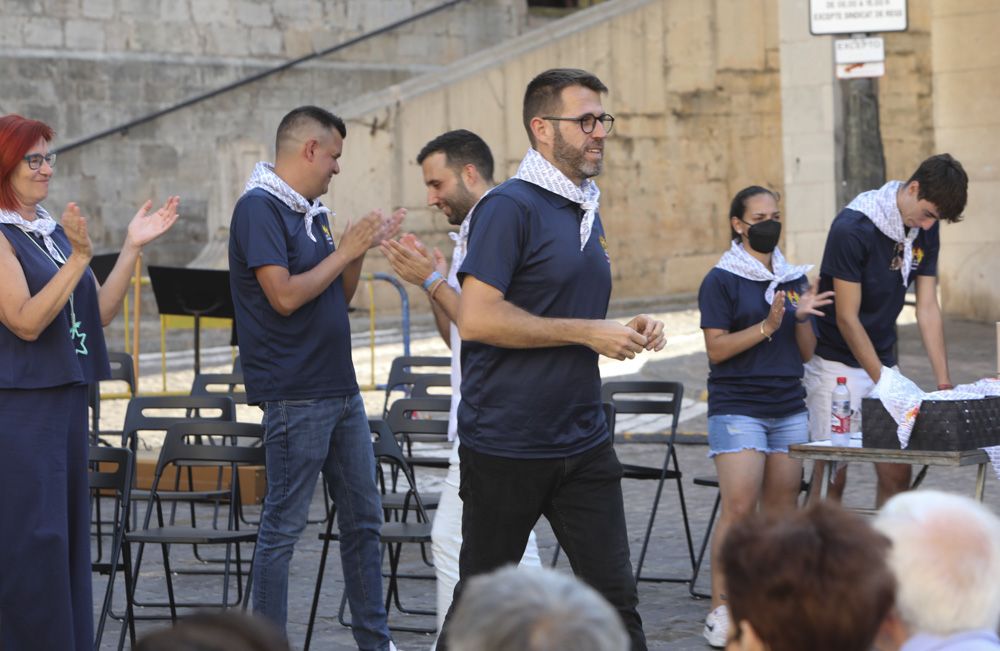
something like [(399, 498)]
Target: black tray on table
[(942, 425)]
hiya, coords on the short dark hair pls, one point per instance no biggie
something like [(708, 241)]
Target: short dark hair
[(296, 117), (739, 204), (461, 147), (543, 95), (813, 579), (945, 184)]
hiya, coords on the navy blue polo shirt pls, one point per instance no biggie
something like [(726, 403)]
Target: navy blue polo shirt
[(857, 251), (539, 402), (308, 353), (764, 381)]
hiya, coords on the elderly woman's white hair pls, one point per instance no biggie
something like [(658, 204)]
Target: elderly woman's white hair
[(946, 558), (524, 609)]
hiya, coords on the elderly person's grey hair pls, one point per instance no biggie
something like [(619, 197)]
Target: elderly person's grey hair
[(946, 558), (522, 609)]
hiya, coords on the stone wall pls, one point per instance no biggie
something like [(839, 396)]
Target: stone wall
[(966, 65), (694, 89), (87, 65)]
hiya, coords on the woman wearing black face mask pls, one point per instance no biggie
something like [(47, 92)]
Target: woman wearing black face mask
[(756, 314)]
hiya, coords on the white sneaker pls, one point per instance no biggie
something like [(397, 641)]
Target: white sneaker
[(717, 627), (392, 646)]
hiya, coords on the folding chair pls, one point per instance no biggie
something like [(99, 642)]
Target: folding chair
[(423, 386), (154, 414), (421, 420), (229, 446), (143, 414), (393, 535), (122, 370), (111, 472), (214, 384), (659, 399), (402, 374)]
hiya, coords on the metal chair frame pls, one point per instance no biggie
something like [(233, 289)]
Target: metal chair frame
[(670, 469), (119, 481), (177, 451), (392, 535)]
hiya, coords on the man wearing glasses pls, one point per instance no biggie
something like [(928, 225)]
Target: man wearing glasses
[(535, 290), (876, 247)]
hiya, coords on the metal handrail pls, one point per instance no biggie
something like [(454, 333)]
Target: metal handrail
[(123, 128)]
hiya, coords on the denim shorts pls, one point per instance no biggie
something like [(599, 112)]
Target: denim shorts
[(733, 433)]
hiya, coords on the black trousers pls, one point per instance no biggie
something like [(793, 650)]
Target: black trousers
[(580, 496)]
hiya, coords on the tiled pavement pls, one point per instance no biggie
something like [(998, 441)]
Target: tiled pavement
[(672, 619)]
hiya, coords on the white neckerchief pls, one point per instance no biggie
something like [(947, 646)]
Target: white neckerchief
[(42, 225), (461, 240), (263, 177), (736, 260), (880, 206), (538, 171)]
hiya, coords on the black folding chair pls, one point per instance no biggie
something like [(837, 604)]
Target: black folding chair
[(393, 535), (122, 370), (660, 399), (222, 444), (110, 476), (421, 420), (213, 384), (425, 385), (154, 414), (403, 373)]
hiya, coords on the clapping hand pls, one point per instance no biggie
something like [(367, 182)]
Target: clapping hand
[(389, 227), (75, 226), (810, 301), (409, 258), (146, 227)]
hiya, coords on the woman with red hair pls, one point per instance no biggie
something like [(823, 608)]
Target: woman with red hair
[(51, 347)]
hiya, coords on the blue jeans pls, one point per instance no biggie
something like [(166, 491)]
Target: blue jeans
[(302, 438), (734, 433)]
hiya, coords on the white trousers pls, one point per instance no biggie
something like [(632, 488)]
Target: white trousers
[(820, 379)]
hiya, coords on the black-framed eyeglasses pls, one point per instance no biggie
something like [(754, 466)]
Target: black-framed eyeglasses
[(897, 258), (35, 161), (588, 122)]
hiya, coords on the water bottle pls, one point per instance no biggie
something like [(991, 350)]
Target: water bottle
[(840, 414)]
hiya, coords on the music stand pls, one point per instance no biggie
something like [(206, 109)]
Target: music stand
[(192, 292), (102, 265)]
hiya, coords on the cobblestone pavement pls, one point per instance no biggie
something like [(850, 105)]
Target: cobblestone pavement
[(673, 620)]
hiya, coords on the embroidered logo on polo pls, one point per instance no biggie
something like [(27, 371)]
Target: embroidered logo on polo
[(327, 235), (604, 245), (918, 257), (793, 297)]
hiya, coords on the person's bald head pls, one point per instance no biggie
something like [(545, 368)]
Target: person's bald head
[(303, 124)]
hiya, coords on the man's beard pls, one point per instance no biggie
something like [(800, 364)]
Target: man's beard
[(575, 160), (460, 203)]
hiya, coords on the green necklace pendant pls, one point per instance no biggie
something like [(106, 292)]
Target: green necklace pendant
[(79, 338)]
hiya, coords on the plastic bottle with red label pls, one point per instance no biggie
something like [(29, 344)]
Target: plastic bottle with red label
[(840, 414)]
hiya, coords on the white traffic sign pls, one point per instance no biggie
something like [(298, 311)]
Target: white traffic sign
[(856, 16), (859, 50), (860, 70)]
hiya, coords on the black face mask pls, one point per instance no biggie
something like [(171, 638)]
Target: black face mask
[(763, 236)]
